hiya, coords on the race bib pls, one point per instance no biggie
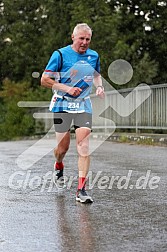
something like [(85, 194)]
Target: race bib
[(75, 106)]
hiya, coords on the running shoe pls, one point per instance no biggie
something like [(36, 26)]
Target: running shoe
[(83, 197)]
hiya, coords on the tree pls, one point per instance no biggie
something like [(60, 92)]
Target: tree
[(22, 37), (14, 121), (142, 34), (17, 121)]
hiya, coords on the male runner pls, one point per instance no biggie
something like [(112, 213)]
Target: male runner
[(75, 68)]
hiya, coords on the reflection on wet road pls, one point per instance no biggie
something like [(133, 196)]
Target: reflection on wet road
[(128, 214)]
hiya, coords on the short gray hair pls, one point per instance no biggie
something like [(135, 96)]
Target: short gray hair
[(83, 27)]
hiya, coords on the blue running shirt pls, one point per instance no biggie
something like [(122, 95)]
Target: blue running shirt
[(77, 71)]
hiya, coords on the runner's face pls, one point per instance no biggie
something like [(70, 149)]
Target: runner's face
[(81, 41)]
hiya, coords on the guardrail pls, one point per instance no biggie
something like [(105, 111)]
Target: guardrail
[(151, 114)]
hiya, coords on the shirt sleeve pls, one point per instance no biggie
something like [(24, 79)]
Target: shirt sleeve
[(53, 65)]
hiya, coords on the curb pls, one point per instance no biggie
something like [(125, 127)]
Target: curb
[(147, 139)]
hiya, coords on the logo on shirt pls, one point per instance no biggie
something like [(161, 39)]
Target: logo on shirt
[(89, 57)]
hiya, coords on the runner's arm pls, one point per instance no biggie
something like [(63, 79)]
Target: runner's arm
[(48, 82), (99, 85)]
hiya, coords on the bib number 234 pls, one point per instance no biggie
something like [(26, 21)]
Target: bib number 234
[(73, 105)]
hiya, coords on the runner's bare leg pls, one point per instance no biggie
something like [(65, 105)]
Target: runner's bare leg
[(82, 141), (63, 140)]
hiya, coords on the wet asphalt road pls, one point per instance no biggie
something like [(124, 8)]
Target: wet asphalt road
[(128, 213)]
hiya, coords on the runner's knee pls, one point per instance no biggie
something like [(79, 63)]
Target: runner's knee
[(83, 148)]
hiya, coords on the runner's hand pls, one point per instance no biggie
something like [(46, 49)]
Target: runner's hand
[(100, 91), (74, 91)]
